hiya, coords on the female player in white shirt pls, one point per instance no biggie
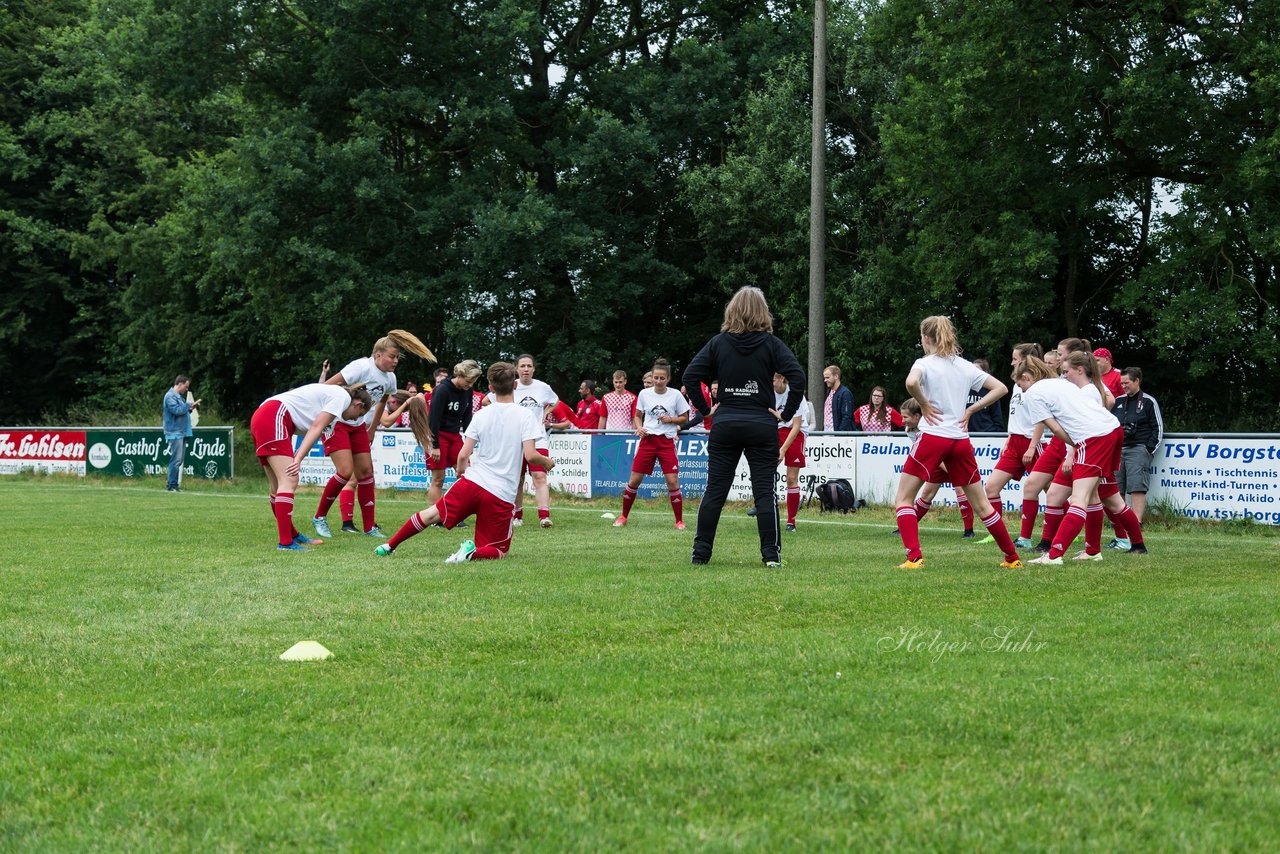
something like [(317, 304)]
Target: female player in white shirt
[(540, 399), (1023, 445), (1093, 440), (348, 445), (940, 382), (791, 438), (660, 411), (308, 410)]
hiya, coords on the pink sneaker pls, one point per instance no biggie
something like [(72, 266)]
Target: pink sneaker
[(680, 526), (620, 522)]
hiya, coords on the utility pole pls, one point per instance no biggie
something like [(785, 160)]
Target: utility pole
[(818, 217)]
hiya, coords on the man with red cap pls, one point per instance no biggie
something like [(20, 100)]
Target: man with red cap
[(1110, 376)]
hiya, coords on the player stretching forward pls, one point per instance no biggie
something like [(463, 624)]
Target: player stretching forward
[(791, 443), (940, 382), (349, 444), (498, 440), (1093, 440), (659, 413), (307, 410)]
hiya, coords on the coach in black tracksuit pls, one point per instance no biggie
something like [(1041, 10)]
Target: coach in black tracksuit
[(743, 357)]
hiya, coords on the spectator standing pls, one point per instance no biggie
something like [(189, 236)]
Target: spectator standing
[(590, 410), (619, 404), (177, 426), (837, 412), (1139, 416), (991, 418), (1110, 376), (876, 416)]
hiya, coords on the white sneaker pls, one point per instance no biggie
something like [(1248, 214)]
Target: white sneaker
[(516, 522), (1087, 556), (463, 553), (1045, 560), (544, 523)]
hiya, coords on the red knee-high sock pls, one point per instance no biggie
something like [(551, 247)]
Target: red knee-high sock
[(1105, 491), (408, 529), (282, 507), (1131, 525), (347, 504), (966, 511), (1030, 509), (364, 493), (1052, 521), (995, 526), (1072, 522), (628, 498), (1093, 529), (485, 553), (518, 513), (330, 494), (677, 503), (909, 529), (544, 513), (922, 509), (793, 504)]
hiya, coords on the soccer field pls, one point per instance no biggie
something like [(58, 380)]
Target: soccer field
[(596, 691)]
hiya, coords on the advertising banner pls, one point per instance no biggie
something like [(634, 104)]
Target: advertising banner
[(53, 451), (572, 455), (612, 453), (144, 452), (826, 458), (398, 463), (1219, 478)]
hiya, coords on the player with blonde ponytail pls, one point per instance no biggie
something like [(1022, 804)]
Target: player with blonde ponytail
[(350, 443)]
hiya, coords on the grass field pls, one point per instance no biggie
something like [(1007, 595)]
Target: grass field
[(596, 691)]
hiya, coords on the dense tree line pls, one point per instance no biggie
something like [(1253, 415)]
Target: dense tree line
[(239, 188)]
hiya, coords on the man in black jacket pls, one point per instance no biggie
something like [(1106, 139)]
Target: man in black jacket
[(1139, 415), (743, 357)]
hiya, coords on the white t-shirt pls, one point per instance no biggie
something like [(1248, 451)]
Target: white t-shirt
[(653, 406), (946, 383), (805, 411), (1020, 423), (306, 402), (378, 383), (500, 431), (1078, 410)]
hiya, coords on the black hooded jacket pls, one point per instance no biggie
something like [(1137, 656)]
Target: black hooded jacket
[(744, 365)]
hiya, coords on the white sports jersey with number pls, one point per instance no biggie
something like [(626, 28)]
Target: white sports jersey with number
[(306, 402), (946, 383), (378, 383), (500, 430), (654, 406), (1020, 423), (1078, 410)]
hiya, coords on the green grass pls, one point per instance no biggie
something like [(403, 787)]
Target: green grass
[(595, 691)]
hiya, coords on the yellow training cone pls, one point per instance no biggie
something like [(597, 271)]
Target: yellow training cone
[(305, 651)]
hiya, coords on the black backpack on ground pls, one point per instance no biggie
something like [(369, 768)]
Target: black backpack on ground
[(836, 496)]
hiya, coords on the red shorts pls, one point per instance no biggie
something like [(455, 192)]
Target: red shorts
[(525, 466), (493, 515), (450, 445), (348, 438), (272, 430), (1099, 456), (1064, 478), (795, 453), (1011, 457), (930, 451), (660, 448), (1051, 457)]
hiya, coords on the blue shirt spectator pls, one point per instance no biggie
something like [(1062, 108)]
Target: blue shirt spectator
[(177, 426)]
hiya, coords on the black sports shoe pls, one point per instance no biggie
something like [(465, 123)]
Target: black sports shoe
[(350, 528), (1138, 550), (791, 528), (697, 561), (461, 524), (751, 511), (968, 534)]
